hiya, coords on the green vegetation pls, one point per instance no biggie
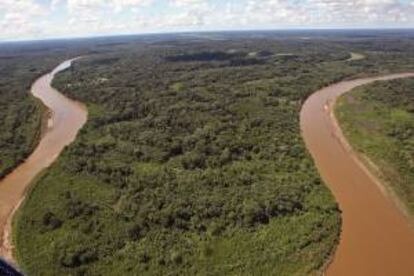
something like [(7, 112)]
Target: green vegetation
[(378, 120), (20, 114), (191, 162)]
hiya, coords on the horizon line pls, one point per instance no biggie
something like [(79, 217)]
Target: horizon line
[(97, 36)]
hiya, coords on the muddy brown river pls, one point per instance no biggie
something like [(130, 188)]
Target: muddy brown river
[(376, 239), (65, 119)]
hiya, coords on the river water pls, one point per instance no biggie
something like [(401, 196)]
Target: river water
[(376, 239), (65, 119)]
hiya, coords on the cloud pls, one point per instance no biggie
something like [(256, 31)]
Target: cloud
[(17, 18), (186, 3), (28, 18), (99, 5), (30, 7), (55, 3), (327, 13), (121, 4), (173, 22)]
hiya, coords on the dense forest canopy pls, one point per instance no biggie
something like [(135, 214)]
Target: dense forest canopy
[(20, 114), (191, 161)]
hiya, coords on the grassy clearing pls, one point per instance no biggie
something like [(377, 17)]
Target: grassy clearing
[(356, 56)]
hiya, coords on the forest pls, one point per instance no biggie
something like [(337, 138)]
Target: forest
[(192, 161), (20, 114), (378, 120)]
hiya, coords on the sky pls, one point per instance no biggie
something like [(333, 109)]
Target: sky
[(42, 19)]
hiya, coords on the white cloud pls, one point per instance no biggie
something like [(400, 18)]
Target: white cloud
[(17, 18), (75, 6), (166, 22), (328, 13), (27, 18), (55, 3), (186, 3), (23, 6), (97, 5), (120, 5)]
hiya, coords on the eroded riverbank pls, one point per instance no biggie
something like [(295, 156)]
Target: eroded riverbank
[(376, 239), (65, 120)]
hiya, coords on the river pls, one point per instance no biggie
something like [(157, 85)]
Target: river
[(66, 117), (376, 239)]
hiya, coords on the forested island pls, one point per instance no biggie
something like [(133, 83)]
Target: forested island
[(192, 160)]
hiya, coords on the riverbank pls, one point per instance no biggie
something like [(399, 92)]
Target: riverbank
[(377, 120), (376, 237), (68, 117)]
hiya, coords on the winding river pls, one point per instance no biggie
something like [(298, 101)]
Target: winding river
[(66, 117), (376, 239)]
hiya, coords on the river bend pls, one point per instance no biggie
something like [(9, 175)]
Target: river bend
[(65, 119), (376, 239)]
